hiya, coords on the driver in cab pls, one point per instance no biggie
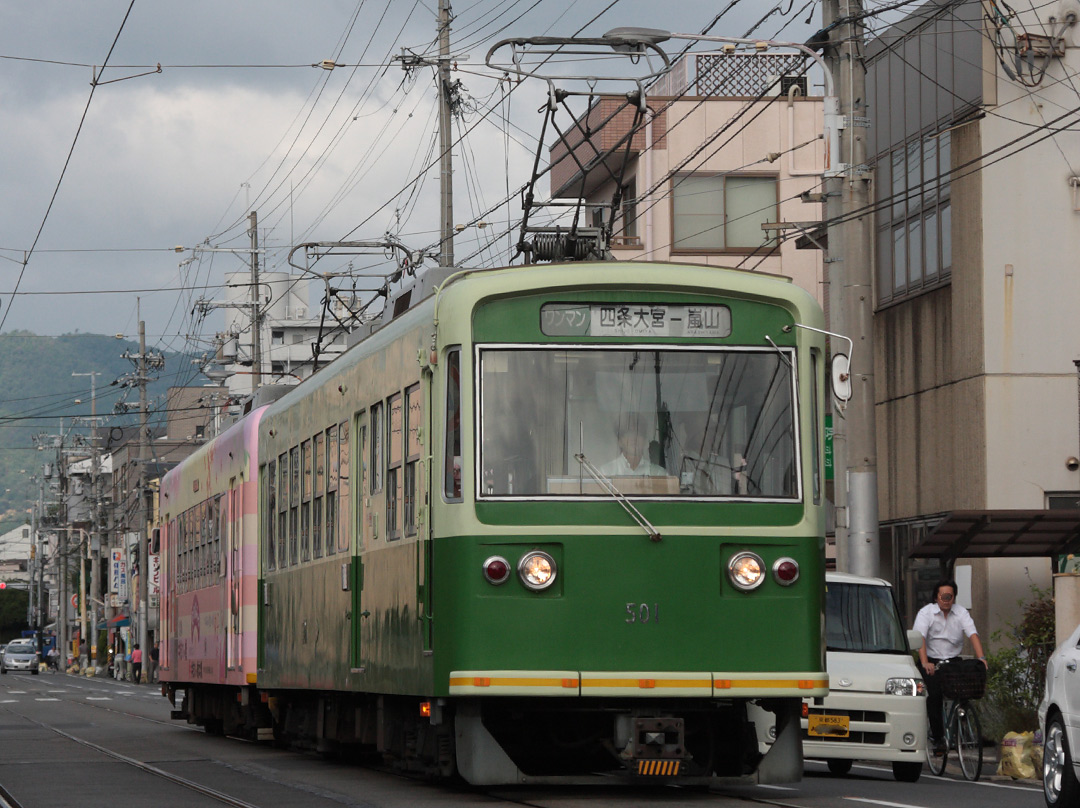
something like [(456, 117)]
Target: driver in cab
[(631, 460)]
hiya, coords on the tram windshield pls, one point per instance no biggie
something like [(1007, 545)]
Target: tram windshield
[(663, 423)]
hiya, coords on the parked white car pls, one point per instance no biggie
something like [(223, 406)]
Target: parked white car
[(876, 707), (1059, 716)]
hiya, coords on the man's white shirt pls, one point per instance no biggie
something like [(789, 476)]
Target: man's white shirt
[(944, 632)]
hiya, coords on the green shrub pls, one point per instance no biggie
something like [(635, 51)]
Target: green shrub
[(1017, 671)]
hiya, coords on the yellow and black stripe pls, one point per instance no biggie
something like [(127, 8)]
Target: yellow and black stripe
[(658, 768)]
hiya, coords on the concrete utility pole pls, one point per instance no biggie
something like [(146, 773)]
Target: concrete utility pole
[(144, 509), (851, 295), (256, 325), (94, 540), (446, 138)]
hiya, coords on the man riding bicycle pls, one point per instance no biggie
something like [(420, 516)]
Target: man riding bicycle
[(943, 624)]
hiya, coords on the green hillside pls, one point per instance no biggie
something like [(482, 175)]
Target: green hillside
[(38, 397)]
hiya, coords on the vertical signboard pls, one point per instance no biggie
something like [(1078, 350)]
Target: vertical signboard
[(118, 584)]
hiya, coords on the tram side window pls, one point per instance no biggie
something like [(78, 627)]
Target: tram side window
[(412, 458), (817, 448), (318, 494), (344, 486), (452, 447), (283, 509), (294, 505), (394, 435), (376, 469), (225, 515), (305, 507), (269, 486), (332, 470)]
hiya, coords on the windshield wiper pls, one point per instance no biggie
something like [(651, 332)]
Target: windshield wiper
[(618, 496)]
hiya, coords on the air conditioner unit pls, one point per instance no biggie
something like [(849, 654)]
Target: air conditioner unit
[(780, 85)]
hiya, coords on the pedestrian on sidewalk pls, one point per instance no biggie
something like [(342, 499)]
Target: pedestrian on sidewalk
[(152, 671), (136, 664)]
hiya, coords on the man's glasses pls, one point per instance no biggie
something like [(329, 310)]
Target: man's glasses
[(945, 597)]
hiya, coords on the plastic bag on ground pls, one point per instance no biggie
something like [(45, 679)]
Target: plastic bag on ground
[(1017, 752)]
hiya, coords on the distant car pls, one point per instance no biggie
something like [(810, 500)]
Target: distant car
[(1059, 716), (19, 655), (876, 707)]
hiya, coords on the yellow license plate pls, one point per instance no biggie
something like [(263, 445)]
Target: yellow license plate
[(827, 726)]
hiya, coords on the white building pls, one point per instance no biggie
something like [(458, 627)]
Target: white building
[(290, 327)]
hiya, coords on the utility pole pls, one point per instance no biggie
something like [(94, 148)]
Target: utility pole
[(94, 540), (850, 276), (446, 138), (256, 326), (144, 510)]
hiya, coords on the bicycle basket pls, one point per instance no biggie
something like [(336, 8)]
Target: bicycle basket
[(963, 679)]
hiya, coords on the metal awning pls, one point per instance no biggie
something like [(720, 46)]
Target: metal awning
[(1002, 534)]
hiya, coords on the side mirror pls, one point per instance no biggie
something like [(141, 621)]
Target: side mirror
[(840, 374), (914, 639)]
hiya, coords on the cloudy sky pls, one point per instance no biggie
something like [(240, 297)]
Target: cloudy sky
[(98, 185)]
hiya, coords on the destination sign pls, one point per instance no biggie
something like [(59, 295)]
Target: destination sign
[(635, 320)]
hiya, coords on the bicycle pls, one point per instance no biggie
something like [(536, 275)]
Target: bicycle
[(962, 681)]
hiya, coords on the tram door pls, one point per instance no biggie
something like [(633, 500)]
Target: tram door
[(234, 531)]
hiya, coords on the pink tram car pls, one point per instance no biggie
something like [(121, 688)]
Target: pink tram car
[(210, 570)]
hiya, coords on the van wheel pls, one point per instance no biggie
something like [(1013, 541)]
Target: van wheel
[(906, 772), (839, 767)]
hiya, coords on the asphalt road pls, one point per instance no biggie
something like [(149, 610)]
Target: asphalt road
[(67, 741)]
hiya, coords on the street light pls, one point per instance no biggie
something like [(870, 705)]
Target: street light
[(631, 38)]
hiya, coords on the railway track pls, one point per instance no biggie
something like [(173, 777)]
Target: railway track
[(77, 695)]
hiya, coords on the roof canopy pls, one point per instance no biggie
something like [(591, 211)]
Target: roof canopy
[(1002, 534)]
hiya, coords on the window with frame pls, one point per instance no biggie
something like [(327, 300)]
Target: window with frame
[(332, 471), (723, 212), (376, 470), (345, 505), (914, 218), (412, 459), (294, 505), (319, 493), (452, 427), (395, 423), (283, 509), (269, 486), (305, 506)]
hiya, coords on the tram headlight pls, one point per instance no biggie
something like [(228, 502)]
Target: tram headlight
[(746, 571), (537, 570)]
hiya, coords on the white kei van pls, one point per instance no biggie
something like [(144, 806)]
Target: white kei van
[(876, 707)]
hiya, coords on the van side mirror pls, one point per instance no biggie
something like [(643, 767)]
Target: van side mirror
[(914, 639)]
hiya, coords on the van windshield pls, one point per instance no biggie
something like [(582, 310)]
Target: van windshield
[(863, 618)]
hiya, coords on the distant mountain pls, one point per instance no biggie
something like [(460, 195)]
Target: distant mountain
[(38, 395)]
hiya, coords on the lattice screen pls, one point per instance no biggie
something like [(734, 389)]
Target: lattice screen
[(742, 74)]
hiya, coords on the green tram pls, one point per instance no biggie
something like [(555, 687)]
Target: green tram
[(549, 524)]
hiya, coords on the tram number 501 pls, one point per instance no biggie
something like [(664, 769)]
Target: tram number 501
[(642, 612)]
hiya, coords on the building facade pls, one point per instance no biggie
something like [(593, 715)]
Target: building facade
[(977, 229)]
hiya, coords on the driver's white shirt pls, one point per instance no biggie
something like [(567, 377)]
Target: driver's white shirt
[(620, 467)]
